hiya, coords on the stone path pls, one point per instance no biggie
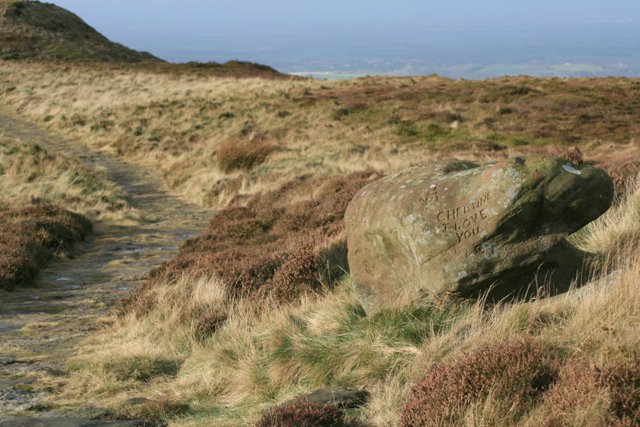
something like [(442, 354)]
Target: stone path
[(41, 326)]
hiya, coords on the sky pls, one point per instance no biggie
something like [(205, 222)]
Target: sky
[(461, 38), (122, 17)]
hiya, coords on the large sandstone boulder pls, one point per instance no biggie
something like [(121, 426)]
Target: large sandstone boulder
[(458, 227)]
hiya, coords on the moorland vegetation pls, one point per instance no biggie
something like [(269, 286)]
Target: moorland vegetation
[(260, 307), (46, 203), (279, 158)]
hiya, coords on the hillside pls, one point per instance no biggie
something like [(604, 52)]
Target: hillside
[(44, 31), (31, 30), (190, 125), (257, 309), (225, 324)]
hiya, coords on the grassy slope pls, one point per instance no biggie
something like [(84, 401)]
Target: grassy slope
[(44, 31), (180, 123), (256, 358), (29, 173), (38, 191)]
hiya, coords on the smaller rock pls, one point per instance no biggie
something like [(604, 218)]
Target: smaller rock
[(137, 401), (340, 398), (6, 361)]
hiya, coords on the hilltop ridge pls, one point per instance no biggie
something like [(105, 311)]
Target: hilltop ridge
[(36, 31), (44, 31)]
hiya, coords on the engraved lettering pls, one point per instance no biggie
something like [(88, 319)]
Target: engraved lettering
[(465, 221)]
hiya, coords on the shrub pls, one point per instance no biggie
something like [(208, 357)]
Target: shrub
[(614, 390), (303, 414), (408, 130), (31, 236), (233, 155), (208, 323), (623, 172), (571, 154), (623, 384), (341, 113), (517, 372), (273, 247)]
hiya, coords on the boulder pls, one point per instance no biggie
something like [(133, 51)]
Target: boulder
[(463, 228), (343, 398)]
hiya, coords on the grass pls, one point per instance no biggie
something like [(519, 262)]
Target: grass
[(202, 336), (29, 173), (234, 155), (183, 123), (141, 368), (254, 359)]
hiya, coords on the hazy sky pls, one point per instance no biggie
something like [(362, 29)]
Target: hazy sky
[(123, 17), (475, 37)]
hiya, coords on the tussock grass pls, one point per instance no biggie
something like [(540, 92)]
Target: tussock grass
[(179, 123), (581, 343), (141, 368), (152, 412), (246, 155), (29, 173), (618, 228)]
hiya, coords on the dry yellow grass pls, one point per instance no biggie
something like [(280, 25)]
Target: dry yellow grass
[(177, 122), (254, 360), (249, 360), (29, 173)]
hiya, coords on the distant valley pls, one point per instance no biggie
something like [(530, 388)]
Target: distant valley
[(572, 50)]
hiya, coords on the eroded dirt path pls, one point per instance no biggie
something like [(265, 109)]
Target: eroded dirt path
[(41, 326)]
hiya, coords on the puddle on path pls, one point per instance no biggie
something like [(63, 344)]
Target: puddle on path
[(8, 326), (71, 295)]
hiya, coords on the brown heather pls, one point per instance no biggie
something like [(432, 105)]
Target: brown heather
[(33, 235), (272, 246), (152, 413), (610, 395), (516, 373)]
